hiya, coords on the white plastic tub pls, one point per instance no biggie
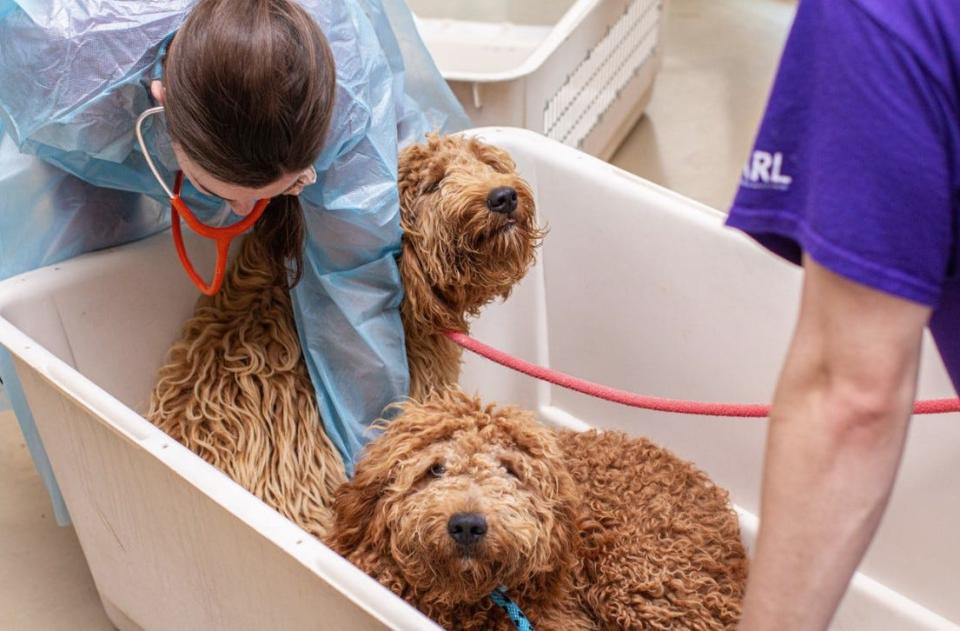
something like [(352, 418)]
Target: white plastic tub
[(578, 71), (636, 287)]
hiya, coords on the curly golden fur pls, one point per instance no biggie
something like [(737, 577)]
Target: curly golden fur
[(668, 552), (586, 531), (235, 389), (457, 254)]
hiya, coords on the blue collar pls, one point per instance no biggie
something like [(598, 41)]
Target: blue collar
[(513, 611)]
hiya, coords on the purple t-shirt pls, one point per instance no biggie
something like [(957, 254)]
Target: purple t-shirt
[(857, 161)]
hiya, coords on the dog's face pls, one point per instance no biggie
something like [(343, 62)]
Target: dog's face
[(469, 221), (460, 498)]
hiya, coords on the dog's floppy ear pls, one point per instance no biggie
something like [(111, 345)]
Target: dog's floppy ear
[(418, 265), (569, 542), (414, 169), (423, 306), (408, 170), (355, 504), (555, 484)]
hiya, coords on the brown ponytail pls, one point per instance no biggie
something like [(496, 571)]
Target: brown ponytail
[(281, 231), (250, 93)]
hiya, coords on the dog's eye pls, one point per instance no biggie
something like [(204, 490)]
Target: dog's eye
[(432, 187), (437, 470), (510, 467)]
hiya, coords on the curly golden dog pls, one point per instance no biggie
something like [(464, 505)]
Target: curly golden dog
[(584, 530), (470, 234), (235, 389)]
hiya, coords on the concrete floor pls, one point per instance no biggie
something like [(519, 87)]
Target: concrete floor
[(720, 56), (719, 60), (44, 581)]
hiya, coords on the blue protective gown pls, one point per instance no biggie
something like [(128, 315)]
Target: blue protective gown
[(74, 76)]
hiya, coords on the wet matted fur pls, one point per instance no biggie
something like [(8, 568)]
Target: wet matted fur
[(585, 530), (235, 391), (234, 388)]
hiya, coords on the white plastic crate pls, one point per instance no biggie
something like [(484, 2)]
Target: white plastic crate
[(636, 287), (577, 71)]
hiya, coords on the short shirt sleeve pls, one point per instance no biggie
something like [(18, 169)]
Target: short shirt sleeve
[(853, 162)]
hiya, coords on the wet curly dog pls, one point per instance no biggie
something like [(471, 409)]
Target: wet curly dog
[(234, 388), (584, 530)]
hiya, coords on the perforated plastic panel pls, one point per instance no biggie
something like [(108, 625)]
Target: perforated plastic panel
[(580, 103)]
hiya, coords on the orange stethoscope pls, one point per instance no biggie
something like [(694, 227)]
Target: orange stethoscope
[(179, 209)]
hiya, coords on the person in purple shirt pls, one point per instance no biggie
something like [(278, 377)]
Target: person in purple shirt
[(855, 175)]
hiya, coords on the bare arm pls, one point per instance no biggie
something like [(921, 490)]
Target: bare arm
[(836, 435)]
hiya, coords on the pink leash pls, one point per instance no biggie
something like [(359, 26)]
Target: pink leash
[(677, 406)]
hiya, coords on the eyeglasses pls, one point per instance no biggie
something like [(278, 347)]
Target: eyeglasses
[(178, 209)]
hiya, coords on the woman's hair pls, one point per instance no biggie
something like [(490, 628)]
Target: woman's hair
[(250, 92)]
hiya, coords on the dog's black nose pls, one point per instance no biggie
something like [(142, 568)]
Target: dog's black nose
[(502, 199), (467, 528)]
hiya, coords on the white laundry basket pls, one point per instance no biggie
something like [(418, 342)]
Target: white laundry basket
[(636, 287), (577, 71)]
